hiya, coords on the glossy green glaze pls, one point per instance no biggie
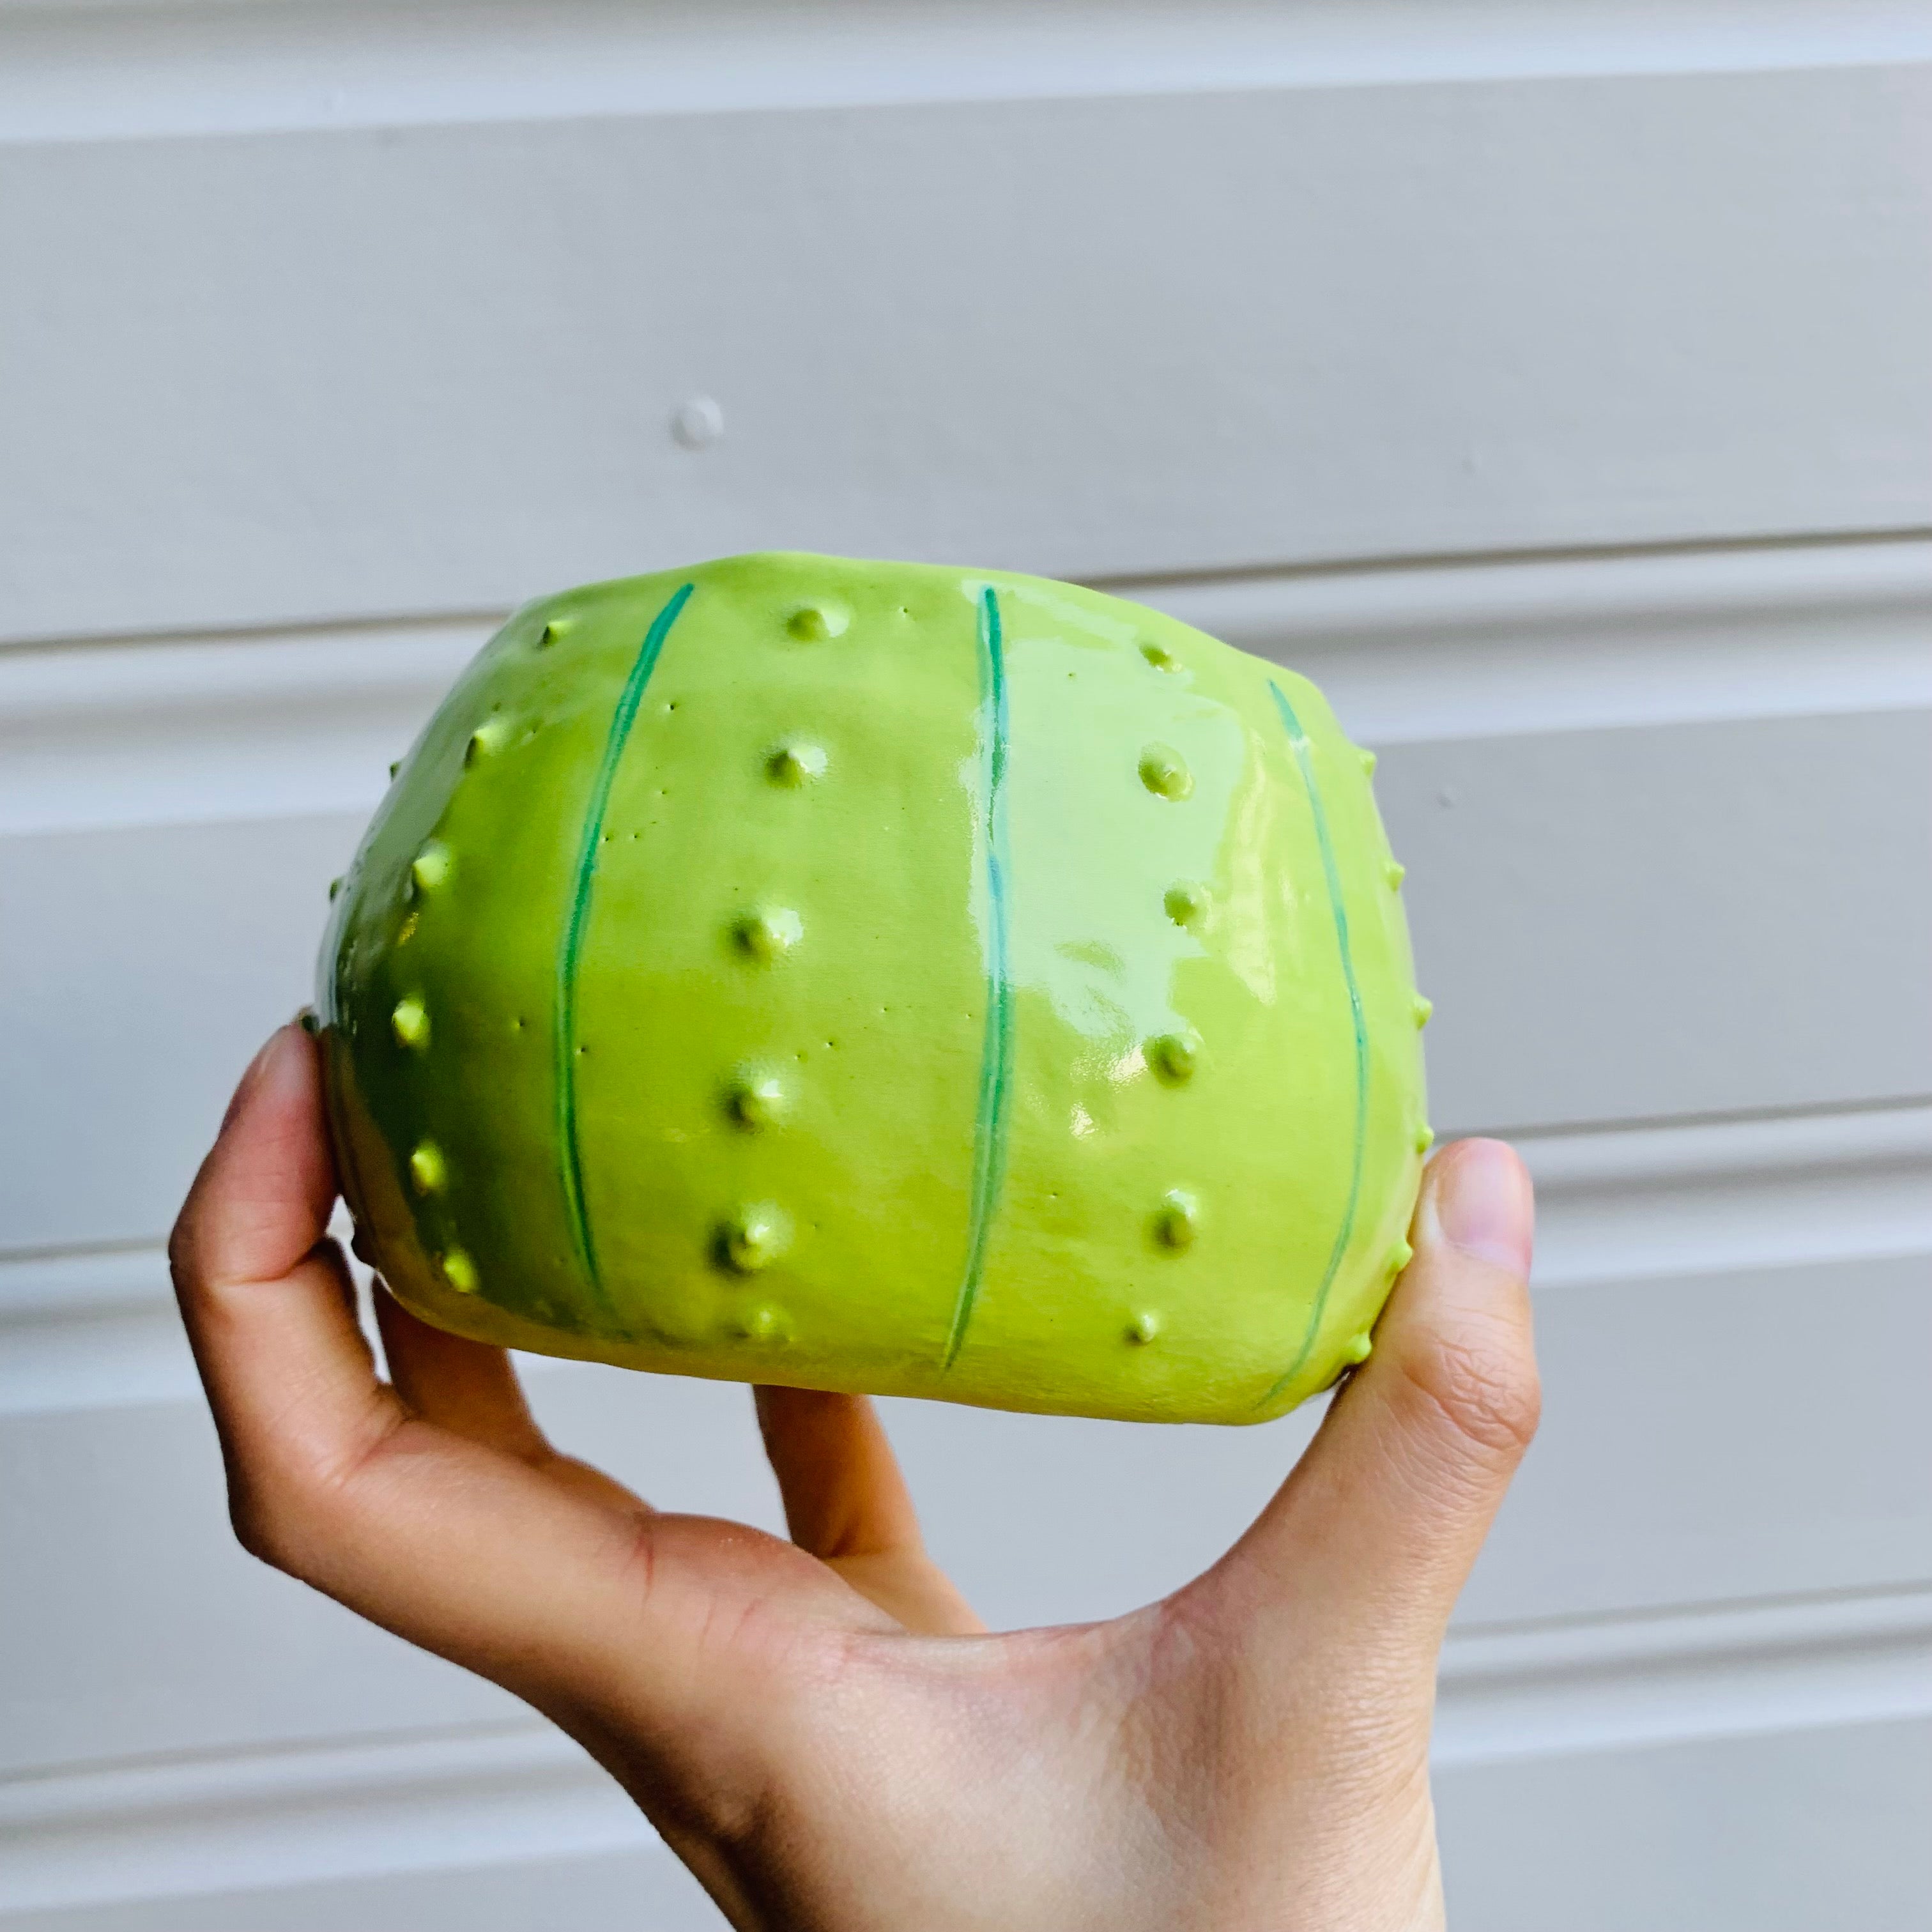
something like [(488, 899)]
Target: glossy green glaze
[(875, 976)]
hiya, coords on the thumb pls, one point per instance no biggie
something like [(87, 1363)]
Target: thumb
[(1374, 1534)]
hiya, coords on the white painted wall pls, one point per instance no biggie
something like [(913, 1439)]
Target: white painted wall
[(1550, 381)]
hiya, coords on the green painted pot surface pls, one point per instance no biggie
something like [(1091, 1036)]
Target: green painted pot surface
[(876, 977)]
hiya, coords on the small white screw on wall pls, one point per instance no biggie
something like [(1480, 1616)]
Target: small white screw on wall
[(698, 423)]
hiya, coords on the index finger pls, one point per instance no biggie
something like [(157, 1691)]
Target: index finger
[(263, 1295), (569, 1600)]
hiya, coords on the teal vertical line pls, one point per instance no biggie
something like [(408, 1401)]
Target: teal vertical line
[(571, 1158), (989, 1130), (1297, 742)]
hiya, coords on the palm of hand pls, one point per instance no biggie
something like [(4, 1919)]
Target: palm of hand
[(821, 1728)]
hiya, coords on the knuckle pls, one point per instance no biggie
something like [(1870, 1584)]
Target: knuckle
[(181, 1251), (292, 1510), (1484, 1388), (262, 1527)]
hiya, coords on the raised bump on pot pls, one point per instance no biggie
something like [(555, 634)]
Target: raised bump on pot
[(814, 623), (1177, 1220), (758, 1099), (754, 1238), (489, 736), (769, 933), (795, 764), (431, 866), (1165, 773), (1173, 1057), (429, 1172), (1185, 903)]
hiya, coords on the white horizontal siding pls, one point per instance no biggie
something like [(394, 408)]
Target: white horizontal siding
[(1807, 1832), (1550, 383), (262, 378), (300, 719)]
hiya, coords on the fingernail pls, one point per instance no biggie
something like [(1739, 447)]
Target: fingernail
[(263, 1062), (1480, 1199), (245, 1085), (291, 1066)]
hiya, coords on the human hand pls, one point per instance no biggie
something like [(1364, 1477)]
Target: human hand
[(821, 1728)]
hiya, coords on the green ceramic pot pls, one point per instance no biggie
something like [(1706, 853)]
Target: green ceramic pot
[(875, 976)]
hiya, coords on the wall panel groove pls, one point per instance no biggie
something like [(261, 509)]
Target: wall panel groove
[(115, 71), (126, 731)]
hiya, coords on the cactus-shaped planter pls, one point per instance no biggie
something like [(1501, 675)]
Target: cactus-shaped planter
[(875, 976)]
